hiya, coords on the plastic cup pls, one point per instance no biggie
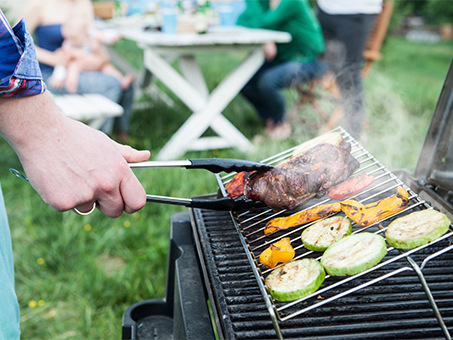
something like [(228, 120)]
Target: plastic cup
[(227, 17), (169, 21)]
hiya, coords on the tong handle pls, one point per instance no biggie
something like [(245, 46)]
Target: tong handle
[(214, 165), (227, 164), (224, 203)]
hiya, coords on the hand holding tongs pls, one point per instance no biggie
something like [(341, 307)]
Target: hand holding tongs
[(214, 165)]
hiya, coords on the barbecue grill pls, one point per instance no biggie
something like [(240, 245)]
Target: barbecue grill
[(215, 282)]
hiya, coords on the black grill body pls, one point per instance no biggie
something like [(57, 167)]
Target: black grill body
[(396, 308)]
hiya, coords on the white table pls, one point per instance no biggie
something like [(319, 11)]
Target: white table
[(190, 86)]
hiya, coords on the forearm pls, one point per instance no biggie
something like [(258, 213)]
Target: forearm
[(37, 115), (68, 163), (47, 57)]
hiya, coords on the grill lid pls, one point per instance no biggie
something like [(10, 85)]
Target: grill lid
[(433, 176)]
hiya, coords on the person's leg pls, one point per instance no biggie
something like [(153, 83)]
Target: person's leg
[(346, 36), (9, 311), (286, 75), (350, 76), (125, 80), (252, 93), (122, 123), (72, 78)]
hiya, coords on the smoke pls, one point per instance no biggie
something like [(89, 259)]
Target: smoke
[(392, 134), (390, 131)]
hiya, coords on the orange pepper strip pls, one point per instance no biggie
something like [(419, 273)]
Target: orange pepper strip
[(366, 215), (302, 217), (280, 251)]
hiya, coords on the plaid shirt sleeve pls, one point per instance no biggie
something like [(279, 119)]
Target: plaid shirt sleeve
[(20, 74)]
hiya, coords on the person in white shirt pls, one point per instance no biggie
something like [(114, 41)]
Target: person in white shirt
[(345, 25)]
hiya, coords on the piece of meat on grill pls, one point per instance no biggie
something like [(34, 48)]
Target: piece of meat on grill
[(306, 176)]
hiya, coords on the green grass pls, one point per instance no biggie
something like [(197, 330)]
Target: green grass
[(76, 275)]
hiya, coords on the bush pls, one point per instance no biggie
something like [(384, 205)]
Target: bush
[(438, 12)]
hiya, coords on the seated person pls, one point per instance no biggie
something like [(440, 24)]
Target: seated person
[(286, 64), (83, 50), (45, 19)]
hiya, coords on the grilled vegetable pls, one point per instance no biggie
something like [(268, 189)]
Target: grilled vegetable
[(354, 254), (350, 187), (368, 214), (295, 279), (305, 216), (417, 228), (280, 251), (322, 234)]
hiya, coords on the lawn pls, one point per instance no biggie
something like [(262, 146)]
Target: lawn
[(76, 275)]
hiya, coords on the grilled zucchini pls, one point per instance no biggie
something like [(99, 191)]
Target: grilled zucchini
[(417, 228), (354, 254), (322, 234), (295, 279)]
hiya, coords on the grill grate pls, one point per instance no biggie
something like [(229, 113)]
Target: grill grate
[(389, 301)]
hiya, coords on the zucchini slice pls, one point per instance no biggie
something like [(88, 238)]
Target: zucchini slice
[(417, 228), (354, 254), (322, 234), (295, 279)]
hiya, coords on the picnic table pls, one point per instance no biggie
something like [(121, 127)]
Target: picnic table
[(161, 49)]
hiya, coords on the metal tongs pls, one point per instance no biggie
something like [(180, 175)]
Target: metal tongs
[(214, 165)]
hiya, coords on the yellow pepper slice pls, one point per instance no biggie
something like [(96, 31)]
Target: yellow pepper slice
[(278, 252), (366, 215), (305, 216)]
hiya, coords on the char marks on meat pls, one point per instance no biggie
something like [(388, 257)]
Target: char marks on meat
[(303, 177)]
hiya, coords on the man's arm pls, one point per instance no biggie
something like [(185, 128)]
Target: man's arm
[(68, 163)]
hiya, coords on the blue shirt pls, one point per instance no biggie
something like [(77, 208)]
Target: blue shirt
[(20, 75)]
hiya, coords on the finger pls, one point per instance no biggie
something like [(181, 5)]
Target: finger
[(111, 205), (132, 155), (133, 193)]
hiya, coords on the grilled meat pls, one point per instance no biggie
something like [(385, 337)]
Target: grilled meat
[(305, 176)]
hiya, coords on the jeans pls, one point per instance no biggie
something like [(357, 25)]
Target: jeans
[(109, 87), (9, 310), (345, 37), (263, 90)]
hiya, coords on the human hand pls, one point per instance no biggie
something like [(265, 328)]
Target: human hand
[(270, 50), (68, 163)]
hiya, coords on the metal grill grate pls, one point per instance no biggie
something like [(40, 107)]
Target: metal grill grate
[(398, 302), (396, 308)]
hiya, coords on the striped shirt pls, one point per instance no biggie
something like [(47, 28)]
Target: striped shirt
[(20, 75)]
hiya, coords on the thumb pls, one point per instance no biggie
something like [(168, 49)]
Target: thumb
[(132, 155)]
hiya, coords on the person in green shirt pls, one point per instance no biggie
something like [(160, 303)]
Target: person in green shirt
[(287, 64)]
